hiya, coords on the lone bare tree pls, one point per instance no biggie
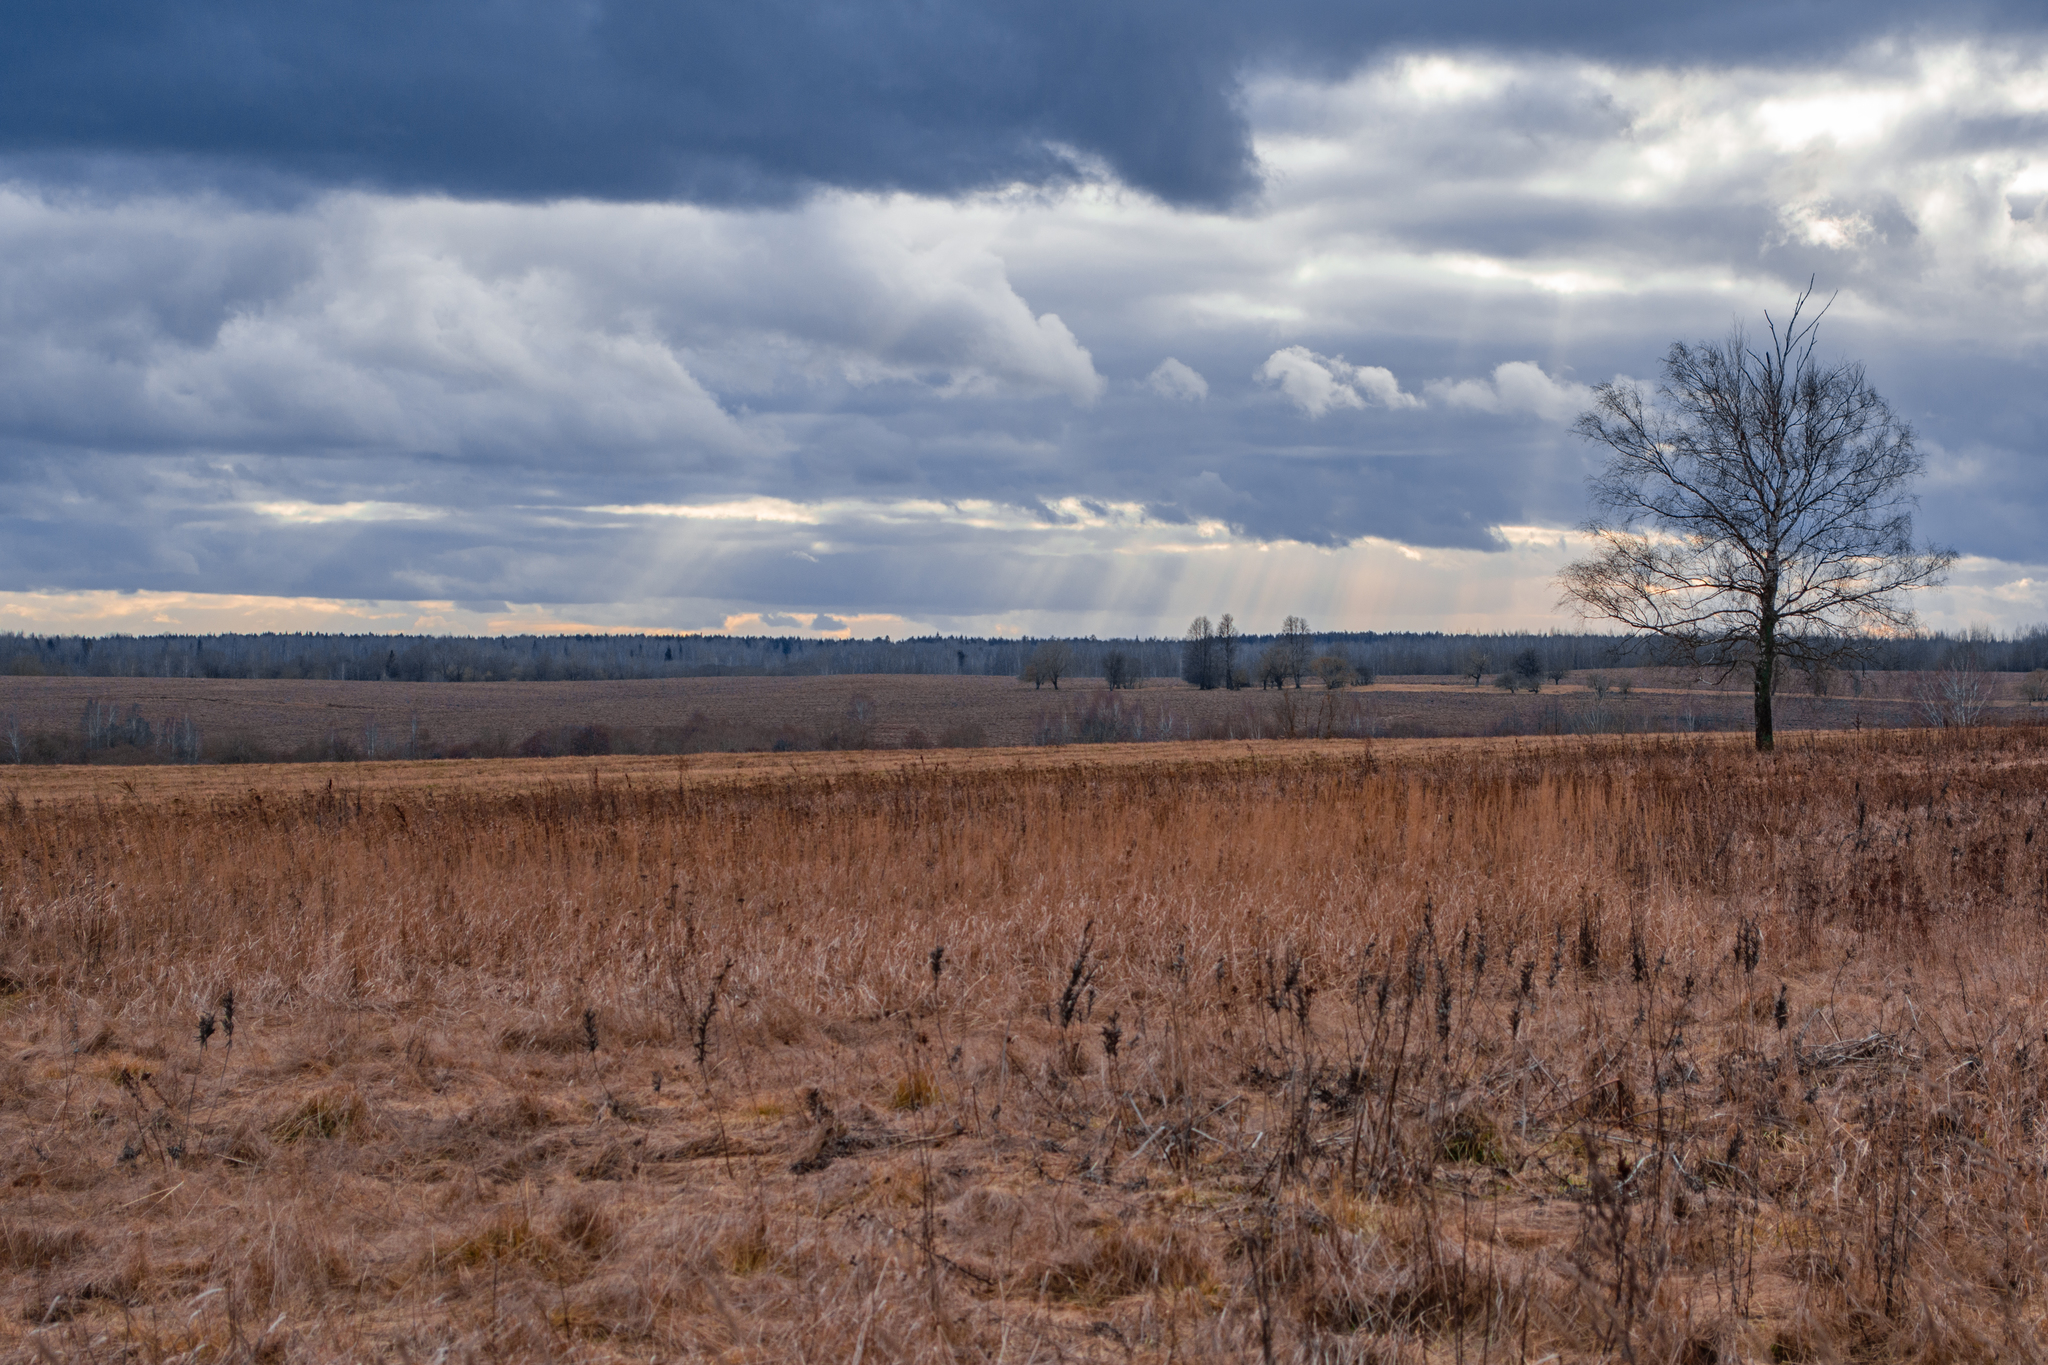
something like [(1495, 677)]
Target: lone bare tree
[(1228, 639), (1297, 642), (1119, 670), (1756, 509), (1198, 654)]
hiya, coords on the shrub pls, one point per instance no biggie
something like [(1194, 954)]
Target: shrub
[(964, 734)]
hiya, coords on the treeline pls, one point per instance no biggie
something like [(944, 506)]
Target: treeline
[(606, 658)]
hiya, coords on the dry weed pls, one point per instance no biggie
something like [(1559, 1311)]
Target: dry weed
[(1639, 1050)]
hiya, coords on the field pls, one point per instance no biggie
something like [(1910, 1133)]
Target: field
[(1572, 1048), (242, 720)]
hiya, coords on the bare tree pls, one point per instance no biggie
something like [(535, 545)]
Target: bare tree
[(1756, 509), (1475, 666), (1050, 662), (1198, 654), (1955, 698), (1528, 666), (1228, 638), (1296, 641), (1119, 670)]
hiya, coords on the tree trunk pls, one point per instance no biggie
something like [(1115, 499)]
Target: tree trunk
[(1766, 677)]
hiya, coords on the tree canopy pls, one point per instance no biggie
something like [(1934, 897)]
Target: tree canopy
[(1756, 509)]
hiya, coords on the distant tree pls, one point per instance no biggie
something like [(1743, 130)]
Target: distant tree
[(1274, 667), (1119, 670), (1297, 643), (1476, 664), (1556, 671), (1528, 667), (1508, 682), (1228, 639), (2034, 687), (858, 732), (1199, 654), (1757, 508), (1334, 669), (1050, 662), (1956, 697)]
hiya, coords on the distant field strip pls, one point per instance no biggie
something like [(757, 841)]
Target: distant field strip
[(239, 720)]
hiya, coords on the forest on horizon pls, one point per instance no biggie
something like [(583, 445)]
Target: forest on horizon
[(612, 658)]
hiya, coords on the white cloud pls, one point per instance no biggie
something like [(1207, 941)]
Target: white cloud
[(744, 509), (315, 513), (1319, 383), (1172, 379), (1888, 172), (372, 323), (1520, 387)]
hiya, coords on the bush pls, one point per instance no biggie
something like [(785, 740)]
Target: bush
[(964, 734), (239, 746), (568, 741)]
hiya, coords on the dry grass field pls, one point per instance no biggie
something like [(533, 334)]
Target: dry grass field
[(241, 720), (1647, 1049)]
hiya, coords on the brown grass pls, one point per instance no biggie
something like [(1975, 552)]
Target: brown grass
[(1594, 1049)]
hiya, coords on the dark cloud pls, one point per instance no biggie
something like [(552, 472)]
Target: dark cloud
[(757, 102)]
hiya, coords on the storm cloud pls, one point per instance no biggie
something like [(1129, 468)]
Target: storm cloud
[(710, 102)]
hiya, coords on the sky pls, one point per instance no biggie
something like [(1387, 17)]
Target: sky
[(962, 316)]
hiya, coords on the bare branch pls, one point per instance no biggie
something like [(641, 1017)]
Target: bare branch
[(1756, 507)]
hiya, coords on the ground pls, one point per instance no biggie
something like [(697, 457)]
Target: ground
[(1579, 1048)]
